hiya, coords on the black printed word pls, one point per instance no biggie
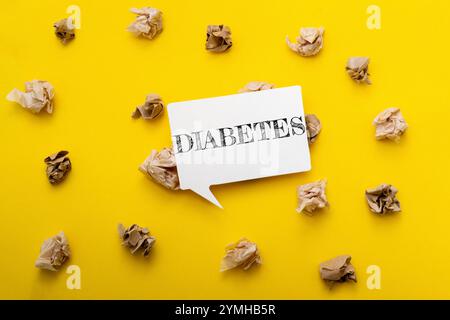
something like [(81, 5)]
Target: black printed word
[(240, 134)]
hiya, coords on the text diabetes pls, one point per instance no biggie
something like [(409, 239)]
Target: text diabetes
[(239, 134)]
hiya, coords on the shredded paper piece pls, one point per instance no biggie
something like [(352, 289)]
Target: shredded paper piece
[(136, 238), (313, 127), (162, 167), (218, 38), (358, 69), (64, 30), (309, 43), (148, 23), (256, 86), (243, 253), (54, 252), (390, 124), (311, 197), (338, 269), (152, 107), (58, 166), (382, 199), (38, 95)]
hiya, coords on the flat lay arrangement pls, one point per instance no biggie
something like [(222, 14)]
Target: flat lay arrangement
[(161, 166), (107, 174)]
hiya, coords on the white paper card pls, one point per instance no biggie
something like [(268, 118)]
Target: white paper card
[(238, 137)]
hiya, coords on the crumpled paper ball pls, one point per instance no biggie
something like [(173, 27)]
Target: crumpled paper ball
[(218, 38), (358, 69), (37, 96), (311, 196), (243, 253), (162, 168), (152, 108), (58, 166), (54, 253), (148, 23), (390, 124), (256, 86), (338, 269), (65, 30), (313, 127), (383, 199), (136, 238), (309, 43)]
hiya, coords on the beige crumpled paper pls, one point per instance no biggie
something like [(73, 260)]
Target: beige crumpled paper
[(382, 199), (58, 166), (218, 38), (256, 86), (64, 30), (338, 269), (358, 69), (54, 252), (243, 253), (38, 95), (312, 196), (309, 43), (162, 167), (313, 127), (136, 238), (390, 124), (152, 107), (148, 22)]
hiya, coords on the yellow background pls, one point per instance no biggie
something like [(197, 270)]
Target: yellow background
[(105, 72)]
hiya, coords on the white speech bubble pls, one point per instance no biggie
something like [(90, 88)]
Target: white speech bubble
[(238, 137)]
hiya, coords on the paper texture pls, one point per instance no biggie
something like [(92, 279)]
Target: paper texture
[(64, 30), (338, 269), (390, 124), (58, 166), (256, 86), (38, 95), (162, 168), (382, 199), (54, 252), (243, 254), (238, 137), (136, 238), (313, 127), (152, 108), (358, 69), (148, 23), (218, 38), (311, 197), (309, 43)]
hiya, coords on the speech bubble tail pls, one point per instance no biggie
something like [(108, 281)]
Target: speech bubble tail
[(207, 194)]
